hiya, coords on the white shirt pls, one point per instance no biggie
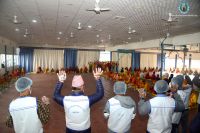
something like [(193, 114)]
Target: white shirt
[(177, 115), (119, 118), (77, 112), (24, 115), (160, 117)]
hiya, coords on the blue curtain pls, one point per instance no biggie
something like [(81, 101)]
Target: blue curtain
[(70, 56), (26, 59), (135, 60)]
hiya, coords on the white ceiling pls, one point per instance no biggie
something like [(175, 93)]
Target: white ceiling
[(54, 16)]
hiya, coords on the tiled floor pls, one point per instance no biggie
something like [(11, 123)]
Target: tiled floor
[(43, 84)]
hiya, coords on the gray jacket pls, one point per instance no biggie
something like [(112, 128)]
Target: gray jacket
[(144, 107), (125, 101)]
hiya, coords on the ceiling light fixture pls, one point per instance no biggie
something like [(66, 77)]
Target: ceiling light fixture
[(34, 21), (26, 32), (15, 19), (97, 36), (60, 33), (109, 37), (170, 17), (25, 35), (133, 31), (89, 26), (129, 30), (71, 34), (58, 38), (79, 26), (119, 17), (16, 29)]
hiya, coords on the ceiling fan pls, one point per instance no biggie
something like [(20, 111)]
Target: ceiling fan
[(97, 9), (15, 20), (72, 35), (26, 33), (79, 26), (130, 31), (170, 19)]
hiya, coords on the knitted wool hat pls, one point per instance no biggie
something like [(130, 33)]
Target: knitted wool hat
[(77, 81)]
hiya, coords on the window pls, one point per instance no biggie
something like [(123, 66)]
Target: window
[(9, 60), (16, 60), (2, 60), (195, 64), (104, 56), (170, 63)]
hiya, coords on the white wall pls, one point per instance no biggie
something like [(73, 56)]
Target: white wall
[(176, 40), (9, 43)]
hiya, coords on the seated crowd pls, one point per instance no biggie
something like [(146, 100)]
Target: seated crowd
[(9, 77), (168, 108)]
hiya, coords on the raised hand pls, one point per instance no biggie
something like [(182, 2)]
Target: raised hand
[(97, 73), (62, 76), (173, 88), (142, 93), (45, 100)]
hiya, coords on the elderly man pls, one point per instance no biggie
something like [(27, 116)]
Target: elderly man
[(176, 84), (160, 108), (185, 114), (27, 114), (77, 105), (166, 77), (196, 86), (120, 110), (195, 124)]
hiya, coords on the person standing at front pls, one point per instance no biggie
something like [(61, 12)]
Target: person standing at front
[(120, 110), (27, 113), (160, 108), (77, 105)]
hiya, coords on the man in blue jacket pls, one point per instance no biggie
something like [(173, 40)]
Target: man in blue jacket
[(77, 105)]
